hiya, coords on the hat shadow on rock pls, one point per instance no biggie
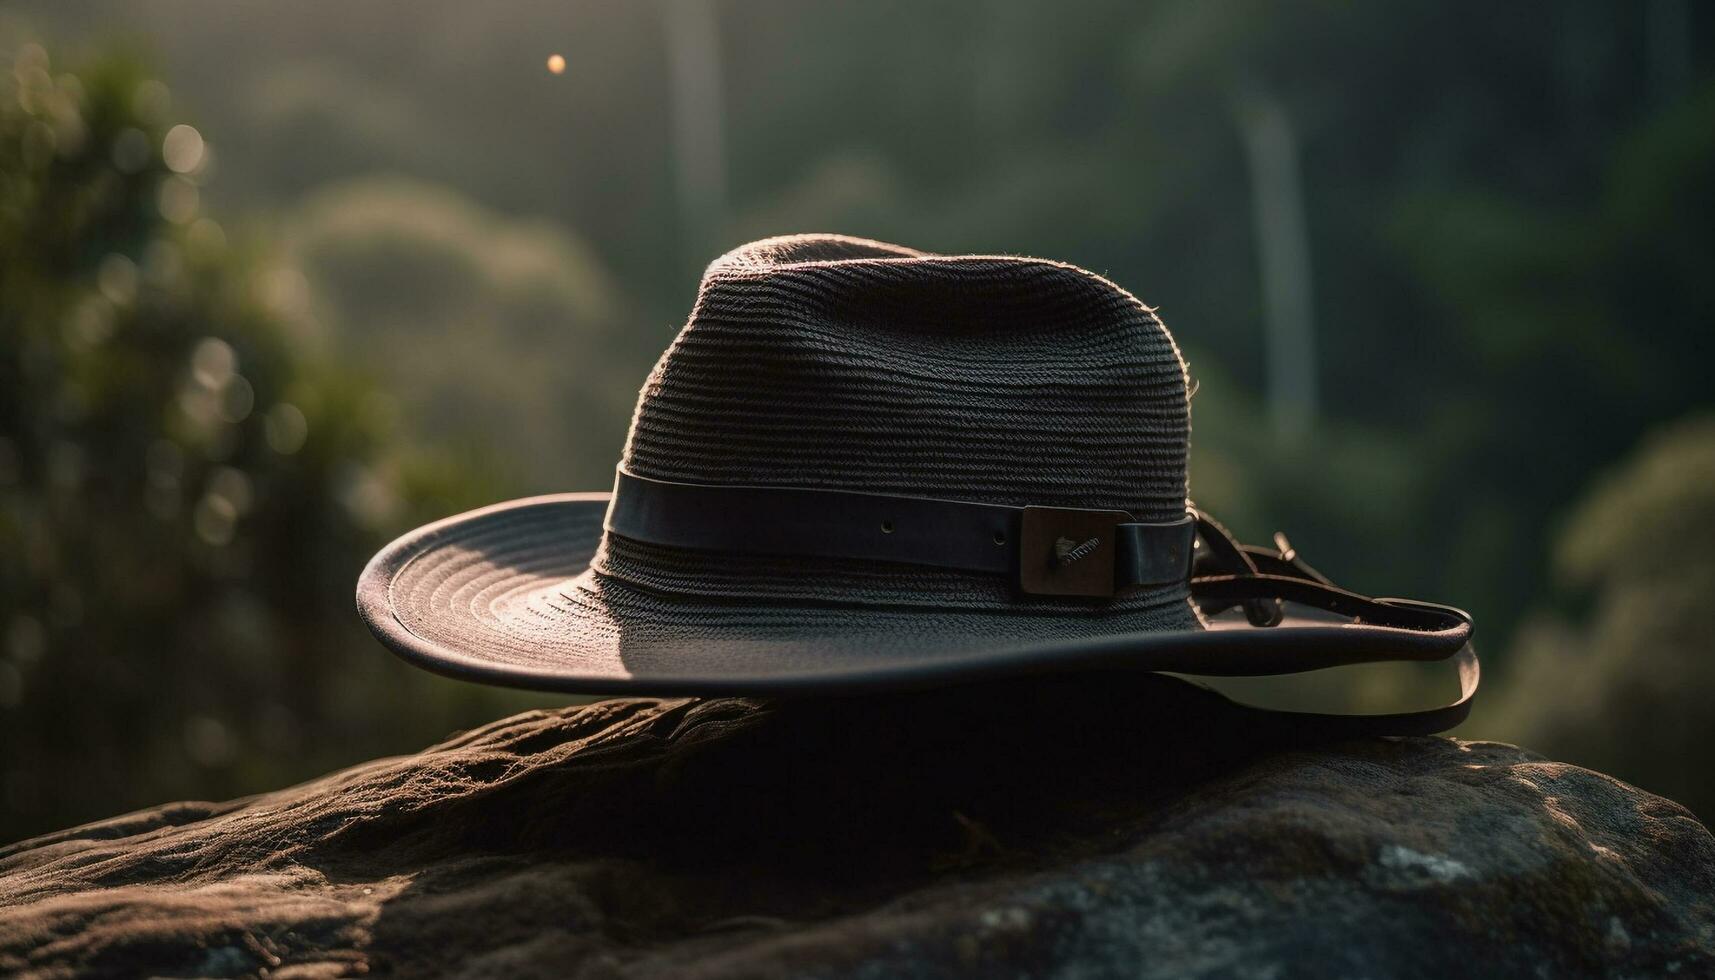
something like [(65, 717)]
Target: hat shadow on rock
[(869, 787), (734, 813)]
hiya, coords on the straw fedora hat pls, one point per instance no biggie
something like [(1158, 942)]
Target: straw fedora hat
[(861, 467)]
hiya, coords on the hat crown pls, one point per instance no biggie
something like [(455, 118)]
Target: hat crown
[(830, 362)]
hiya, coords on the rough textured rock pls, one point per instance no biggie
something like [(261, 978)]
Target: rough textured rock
[(1123, 826)]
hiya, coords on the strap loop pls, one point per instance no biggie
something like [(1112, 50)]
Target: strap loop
[(1224, 552)]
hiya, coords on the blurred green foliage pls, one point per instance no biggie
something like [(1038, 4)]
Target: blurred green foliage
[(453, 303), (1507, 239), (1503, 206), (1623, 685), (184, 496)]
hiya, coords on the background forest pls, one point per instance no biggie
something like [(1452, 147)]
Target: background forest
[(281, 281)]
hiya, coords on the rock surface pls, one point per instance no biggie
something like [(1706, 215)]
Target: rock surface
[(1087, 827)]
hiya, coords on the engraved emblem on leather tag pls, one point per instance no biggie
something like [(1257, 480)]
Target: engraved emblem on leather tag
[(1070, 551), (1065, 551)]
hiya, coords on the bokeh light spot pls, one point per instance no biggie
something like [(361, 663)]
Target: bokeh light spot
[(209, 742), (368, 498), (286, 428), (182, 148), (206, 237), (116, 277), (215, 520), (286, 291), (213, 362), (230, 484), (237, 398), (178, 199), (88, 325)]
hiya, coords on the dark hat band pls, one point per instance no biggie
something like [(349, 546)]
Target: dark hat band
[(1051, 550)]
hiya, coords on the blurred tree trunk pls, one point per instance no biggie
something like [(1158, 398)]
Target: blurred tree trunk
[(1283, 256), (699, 151)]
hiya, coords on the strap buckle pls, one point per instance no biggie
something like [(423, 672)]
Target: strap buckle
[(1065, 551)]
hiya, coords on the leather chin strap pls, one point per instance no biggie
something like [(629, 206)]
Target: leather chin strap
[(1265, 578), (1329, 727), (1050, 551)]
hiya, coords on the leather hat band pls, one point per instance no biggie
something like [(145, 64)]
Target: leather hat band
[(1051, 550)]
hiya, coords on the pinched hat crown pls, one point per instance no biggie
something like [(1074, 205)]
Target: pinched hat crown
[(831, 362)]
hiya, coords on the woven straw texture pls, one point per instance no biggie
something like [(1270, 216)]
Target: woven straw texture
[(833, 362)]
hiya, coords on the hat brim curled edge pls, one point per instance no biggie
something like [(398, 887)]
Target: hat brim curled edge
[(502, 595)]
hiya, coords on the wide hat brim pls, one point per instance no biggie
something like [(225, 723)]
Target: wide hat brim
[(503, 595)]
